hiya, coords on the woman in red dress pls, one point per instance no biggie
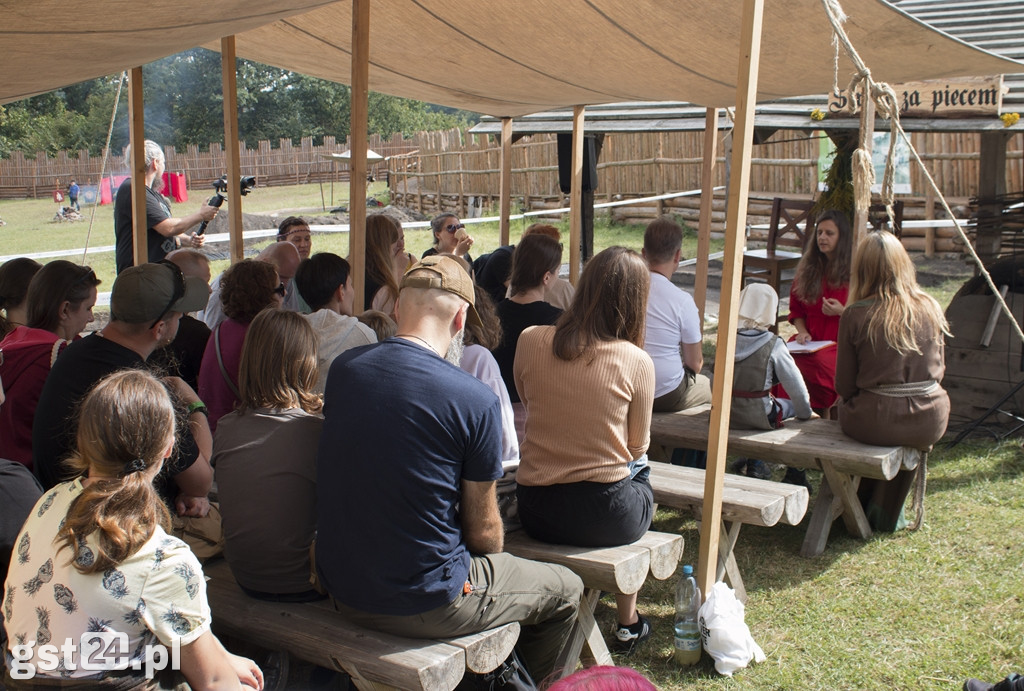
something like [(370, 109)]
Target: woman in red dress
[(816, 301)]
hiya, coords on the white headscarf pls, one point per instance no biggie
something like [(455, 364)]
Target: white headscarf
[(759, 305)]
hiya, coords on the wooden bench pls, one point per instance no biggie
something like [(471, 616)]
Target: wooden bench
[(316, 633), (816, 444), (744, 500), (603, 569)]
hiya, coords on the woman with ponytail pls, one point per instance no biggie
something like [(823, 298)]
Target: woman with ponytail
[(95, 556)]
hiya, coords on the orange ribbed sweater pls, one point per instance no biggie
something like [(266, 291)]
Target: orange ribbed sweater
[(586, 418)]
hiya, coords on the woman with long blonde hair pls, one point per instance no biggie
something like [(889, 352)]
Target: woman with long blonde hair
[(95, 555), (890, 364), (386, 263), (265, 459)]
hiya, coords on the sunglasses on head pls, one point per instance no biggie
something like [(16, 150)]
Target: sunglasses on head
[(179, 289), (453, 227)]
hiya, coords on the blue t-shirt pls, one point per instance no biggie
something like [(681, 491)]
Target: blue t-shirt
[(402, 429)]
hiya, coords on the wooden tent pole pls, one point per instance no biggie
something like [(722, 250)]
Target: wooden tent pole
[(725, 353), (506, 180), (576, 195), (707, 198), (357, 163), (229, 87), (137, 142)]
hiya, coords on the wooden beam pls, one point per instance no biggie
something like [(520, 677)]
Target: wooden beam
[(137, 141), (229, 87), (505, 200), (357, 164), (991, 184), (576, 195), (707, 198), (725, 353)]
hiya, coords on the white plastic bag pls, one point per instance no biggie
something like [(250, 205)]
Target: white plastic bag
[(726, 636)]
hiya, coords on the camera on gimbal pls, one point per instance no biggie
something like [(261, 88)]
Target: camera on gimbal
[(220, 185)]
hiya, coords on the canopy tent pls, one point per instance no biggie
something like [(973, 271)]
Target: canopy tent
[(502, 59), (506, 59)]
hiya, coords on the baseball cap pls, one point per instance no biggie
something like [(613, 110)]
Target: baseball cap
[(147, 292), (444, 274)]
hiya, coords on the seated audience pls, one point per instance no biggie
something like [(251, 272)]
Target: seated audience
[(60, 301), (534, 265), (101, 540), (265, 456), (184, 355), (283, 256), (295, 231), (674, 337), (450, 237), (380, 323), (15, 275), (386, 262), (146, 302), (248, 287), (889, 367), (493, 271), (325, 283), (583, 475), (409, 538)]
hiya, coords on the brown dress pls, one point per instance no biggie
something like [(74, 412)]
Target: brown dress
[(916, 421)]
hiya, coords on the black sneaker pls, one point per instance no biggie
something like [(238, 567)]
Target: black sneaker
[(758, 469), (977, 685), (627, 638), (797, 477), (739, 466)]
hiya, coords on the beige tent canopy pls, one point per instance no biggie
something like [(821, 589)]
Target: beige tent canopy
[(499, 58)]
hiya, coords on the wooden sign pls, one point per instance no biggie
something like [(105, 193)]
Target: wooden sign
[(938, 98)]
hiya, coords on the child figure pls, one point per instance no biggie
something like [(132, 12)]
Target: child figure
[(763, 360)]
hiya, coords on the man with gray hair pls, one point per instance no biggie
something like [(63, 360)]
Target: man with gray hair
[(163, 231), (411, 445)]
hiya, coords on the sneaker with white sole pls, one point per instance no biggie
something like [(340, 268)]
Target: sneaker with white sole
[(627, 638)]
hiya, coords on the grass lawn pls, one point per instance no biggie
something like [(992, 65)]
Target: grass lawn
[(917, 610)]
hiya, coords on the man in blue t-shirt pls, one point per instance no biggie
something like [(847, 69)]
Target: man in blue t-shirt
[(163, 231), (409, 538)]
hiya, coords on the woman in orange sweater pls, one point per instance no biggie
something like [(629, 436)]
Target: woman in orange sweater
[(583, 476)]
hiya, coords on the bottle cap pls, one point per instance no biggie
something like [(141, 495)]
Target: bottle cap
[(687, 570)]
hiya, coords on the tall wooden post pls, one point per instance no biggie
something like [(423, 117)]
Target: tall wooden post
[(228, 78), (991, 183), (137, 140), (505, 201), (576, 195), (707, 199), (357, 164), (725, 353)]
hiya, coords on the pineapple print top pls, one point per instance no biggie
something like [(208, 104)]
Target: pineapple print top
[(156, 595)]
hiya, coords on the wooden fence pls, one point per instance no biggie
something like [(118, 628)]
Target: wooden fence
[(22, 177)]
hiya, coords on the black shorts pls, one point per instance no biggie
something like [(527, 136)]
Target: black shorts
[(588, 514)]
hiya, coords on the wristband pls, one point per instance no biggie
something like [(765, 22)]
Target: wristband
[(198, 407)]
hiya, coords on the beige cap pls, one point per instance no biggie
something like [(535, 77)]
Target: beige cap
[(445, 274)]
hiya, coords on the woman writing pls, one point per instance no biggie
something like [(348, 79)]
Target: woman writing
[(265, 456), (816, 301), (95, 555), (58, 307), (583, 476), (889, 365)]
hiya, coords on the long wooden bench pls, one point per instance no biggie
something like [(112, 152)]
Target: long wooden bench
[(603, 569), (809, 444), (744, 500), (314, 632)]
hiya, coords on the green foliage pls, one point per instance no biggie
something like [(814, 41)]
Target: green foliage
[(183, 106), (838, 192)]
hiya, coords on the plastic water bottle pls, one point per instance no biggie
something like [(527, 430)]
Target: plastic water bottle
[(687, 630)]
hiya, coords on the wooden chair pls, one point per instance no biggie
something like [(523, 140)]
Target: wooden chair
[(788, 227), (879, 219)]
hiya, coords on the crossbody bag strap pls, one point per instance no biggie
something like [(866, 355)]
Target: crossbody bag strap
[(220, 362)]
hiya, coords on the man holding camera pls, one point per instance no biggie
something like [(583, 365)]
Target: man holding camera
[(163, 231)]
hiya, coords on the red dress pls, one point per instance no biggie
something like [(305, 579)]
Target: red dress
[(819, 368)]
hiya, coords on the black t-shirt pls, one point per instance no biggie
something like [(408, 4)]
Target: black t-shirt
[(157, 210), (431, 251), (515, 319), (19, 492), (492, 273), (184, 355), (74, 373)]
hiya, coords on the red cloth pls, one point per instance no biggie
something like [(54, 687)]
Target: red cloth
[(179, 192), (26, 363), (818, 368)]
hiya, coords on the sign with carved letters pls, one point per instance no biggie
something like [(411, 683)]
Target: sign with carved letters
[(938, 98)]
